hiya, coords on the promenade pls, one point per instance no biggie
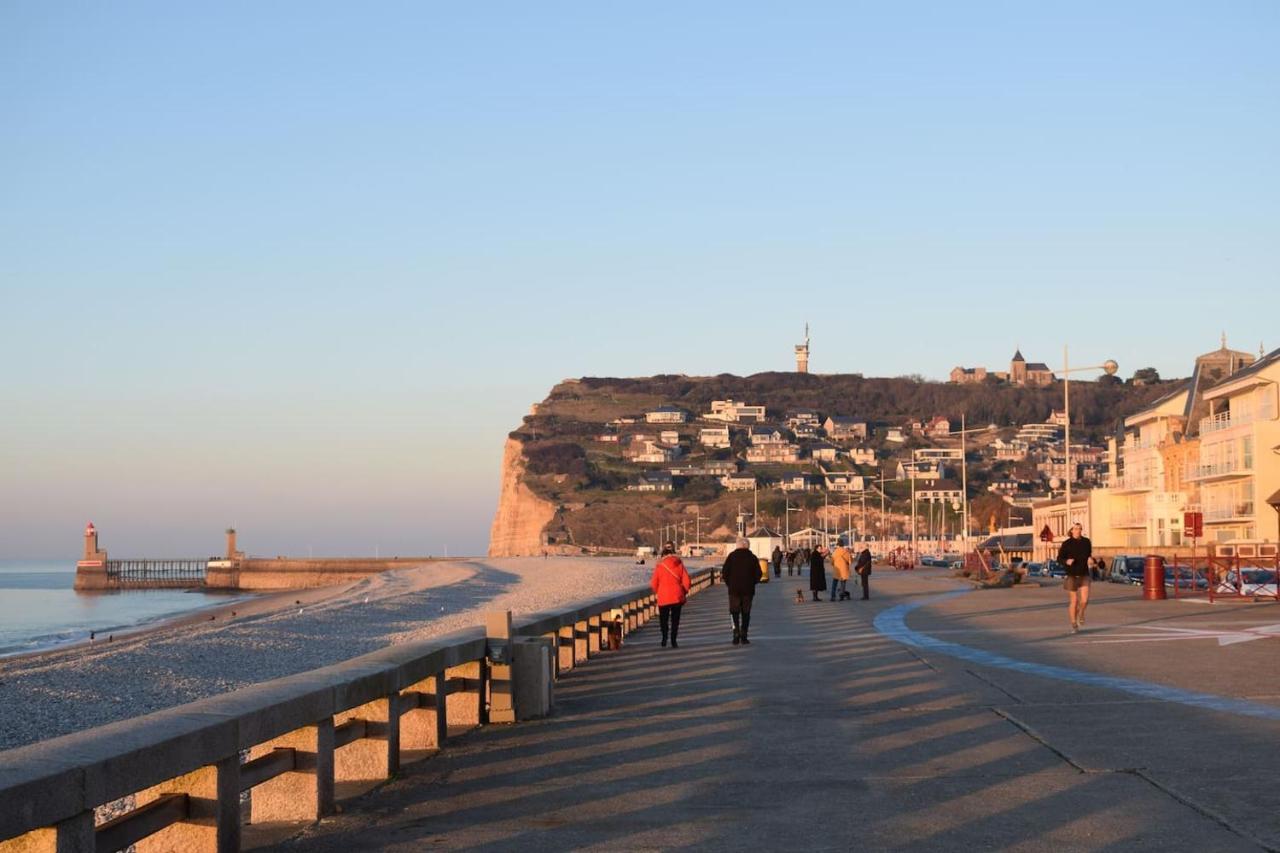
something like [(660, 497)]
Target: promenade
[(920, 720)]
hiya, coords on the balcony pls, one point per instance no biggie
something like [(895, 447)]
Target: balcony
[(1229, 512), (1134, 484), (1224, 420), (1220, 468), (1129, 519)]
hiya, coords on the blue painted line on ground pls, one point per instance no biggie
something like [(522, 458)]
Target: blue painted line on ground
[(892, 623)]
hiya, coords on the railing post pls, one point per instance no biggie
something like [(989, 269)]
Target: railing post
[(502, 672), (593, 635), (213, 810), (564, 648), (580, 634), (306, 793)]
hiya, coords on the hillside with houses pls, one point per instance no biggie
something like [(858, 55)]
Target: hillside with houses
[(618, 462)]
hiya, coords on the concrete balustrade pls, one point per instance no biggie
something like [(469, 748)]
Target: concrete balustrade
[(309, 738)]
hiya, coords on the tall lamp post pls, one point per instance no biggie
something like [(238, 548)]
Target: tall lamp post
[(1108, 367)]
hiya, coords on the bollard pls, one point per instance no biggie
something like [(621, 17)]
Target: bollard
[(1153, 578)]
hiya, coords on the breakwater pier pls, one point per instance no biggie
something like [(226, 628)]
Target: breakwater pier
[(234, 571)]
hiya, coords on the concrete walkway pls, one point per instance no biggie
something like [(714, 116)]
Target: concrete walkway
[(825, 734)]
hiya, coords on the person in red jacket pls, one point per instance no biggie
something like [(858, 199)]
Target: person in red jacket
[(670, 583)]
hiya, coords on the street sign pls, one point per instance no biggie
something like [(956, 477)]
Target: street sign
[(1046, 535), (1193, 525)]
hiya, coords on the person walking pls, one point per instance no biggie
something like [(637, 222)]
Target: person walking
[(841, 563), (791, 560), (1074, 554), (777, 561), (863, 568), (670, 583), (817, 572), (741, 573)]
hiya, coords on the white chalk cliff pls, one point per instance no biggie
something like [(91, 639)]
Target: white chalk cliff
[(522, 515)]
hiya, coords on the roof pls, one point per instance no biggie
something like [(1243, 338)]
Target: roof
[(1008, 542), (1017, 355), (1038, 365), (1258, 366), (764, 532), (940, 485), (667, 409), (1274, 500)]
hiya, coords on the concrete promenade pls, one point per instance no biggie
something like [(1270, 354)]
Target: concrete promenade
[(973, 721)]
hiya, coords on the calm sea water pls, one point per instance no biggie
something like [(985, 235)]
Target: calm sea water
[(39, 609)]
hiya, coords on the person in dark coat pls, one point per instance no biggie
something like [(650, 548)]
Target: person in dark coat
[(777, 561), (817, 572), (1074, 554), (863, 568), (741, 573), (791, 561)]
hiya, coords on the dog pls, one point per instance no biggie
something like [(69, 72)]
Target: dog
[(799, 596)]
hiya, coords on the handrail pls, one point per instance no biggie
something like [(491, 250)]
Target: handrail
[(54, 786)]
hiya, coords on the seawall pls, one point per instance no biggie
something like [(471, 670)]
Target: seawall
[(256, 573)]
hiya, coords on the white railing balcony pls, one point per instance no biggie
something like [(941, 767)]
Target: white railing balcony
[(1223, 512), (1134, 482), (1220, 468), (1129, 519), (1224, 420)]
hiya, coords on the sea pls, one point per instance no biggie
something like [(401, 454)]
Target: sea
[(40, 609)]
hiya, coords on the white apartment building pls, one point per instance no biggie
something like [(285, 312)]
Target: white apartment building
[(666, 415), (1238, 471), (1142, 512), (773, 452), (731, 411)]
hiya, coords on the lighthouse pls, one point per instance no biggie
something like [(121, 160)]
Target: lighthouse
[(802, 353), (91, 569)]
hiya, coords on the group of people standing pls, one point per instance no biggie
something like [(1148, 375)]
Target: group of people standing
[(795, 558), (843, 563)]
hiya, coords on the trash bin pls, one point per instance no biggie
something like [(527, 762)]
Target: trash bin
[(1153, 578), (764, 570)]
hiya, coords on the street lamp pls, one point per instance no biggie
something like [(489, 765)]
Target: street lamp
[(1108, 367)]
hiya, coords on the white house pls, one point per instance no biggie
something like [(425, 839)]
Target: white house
[(844, 429), (842, 481), (730, 411), (772, 452), (824, 451), (938, 427), (666, 415), (739, 482), (895, 434), (714, 436), (767, 435), (798, 483), (669, 436), (862, 455), (652, 481)]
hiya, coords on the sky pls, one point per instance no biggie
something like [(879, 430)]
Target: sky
[(299, 267)]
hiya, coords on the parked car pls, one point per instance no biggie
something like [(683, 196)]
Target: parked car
[(1034, 569), (1187, 578), (1250, 580), (1126, 569)]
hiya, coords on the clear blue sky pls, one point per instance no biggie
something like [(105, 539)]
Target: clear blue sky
[(299, 267)]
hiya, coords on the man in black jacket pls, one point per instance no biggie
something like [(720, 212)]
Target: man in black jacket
[(741, 573), (1074, 554), (863, 568)]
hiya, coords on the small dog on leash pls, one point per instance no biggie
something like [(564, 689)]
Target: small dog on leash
[(799, 596)]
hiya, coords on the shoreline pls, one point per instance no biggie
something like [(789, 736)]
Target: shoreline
[(208, 652)]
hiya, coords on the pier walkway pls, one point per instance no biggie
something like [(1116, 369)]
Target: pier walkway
[(919, 720)]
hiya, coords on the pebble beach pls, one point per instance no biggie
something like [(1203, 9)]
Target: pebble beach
[(69, 689)]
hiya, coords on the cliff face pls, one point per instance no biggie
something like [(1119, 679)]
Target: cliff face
[(522, 515)]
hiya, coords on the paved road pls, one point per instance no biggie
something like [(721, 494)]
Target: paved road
[(834, 730)]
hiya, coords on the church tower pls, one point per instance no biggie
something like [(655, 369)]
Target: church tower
[(1018, 368), (802, 353)]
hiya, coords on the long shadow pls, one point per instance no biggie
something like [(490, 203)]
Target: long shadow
[(833, 742)]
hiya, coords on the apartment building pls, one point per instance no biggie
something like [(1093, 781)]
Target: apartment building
[(1238, 465)]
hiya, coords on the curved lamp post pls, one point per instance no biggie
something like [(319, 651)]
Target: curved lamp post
[(1108, 367)]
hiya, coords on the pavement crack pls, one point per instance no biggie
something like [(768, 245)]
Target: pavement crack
[(1038, 738), (1203, 811), (991, 683), (920, 658)]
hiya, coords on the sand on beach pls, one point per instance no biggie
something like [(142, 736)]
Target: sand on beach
[(198, 655)]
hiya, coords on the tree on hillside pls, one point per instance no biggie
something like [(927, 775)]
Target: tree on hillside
[(1146, 376)]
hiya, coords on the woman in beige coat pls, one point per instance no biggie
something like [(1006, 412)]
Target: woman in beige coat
[(841, 563)]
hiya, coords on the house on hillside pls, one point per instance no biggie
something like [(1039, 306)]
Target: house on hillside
[(714, 436), (669, 436), (843, 481), (824, 451), (913, 427), (653, 481), (799, 483), (708, 468), (841, 428), (861, 455), (945, 491), (968, 375), (741, 482), (666, 415), (895, 434), (807, 430), (938, 427), (803, 417), (783, 452), (767, 435), (607, 437), (731, 411)]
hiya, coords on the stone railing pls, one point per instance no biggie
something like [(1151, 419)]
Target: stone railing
[(179, 775)]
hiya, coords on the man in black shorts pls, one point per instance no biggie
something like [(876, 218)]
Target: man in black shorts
[(741, 573), (1074, 554)]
